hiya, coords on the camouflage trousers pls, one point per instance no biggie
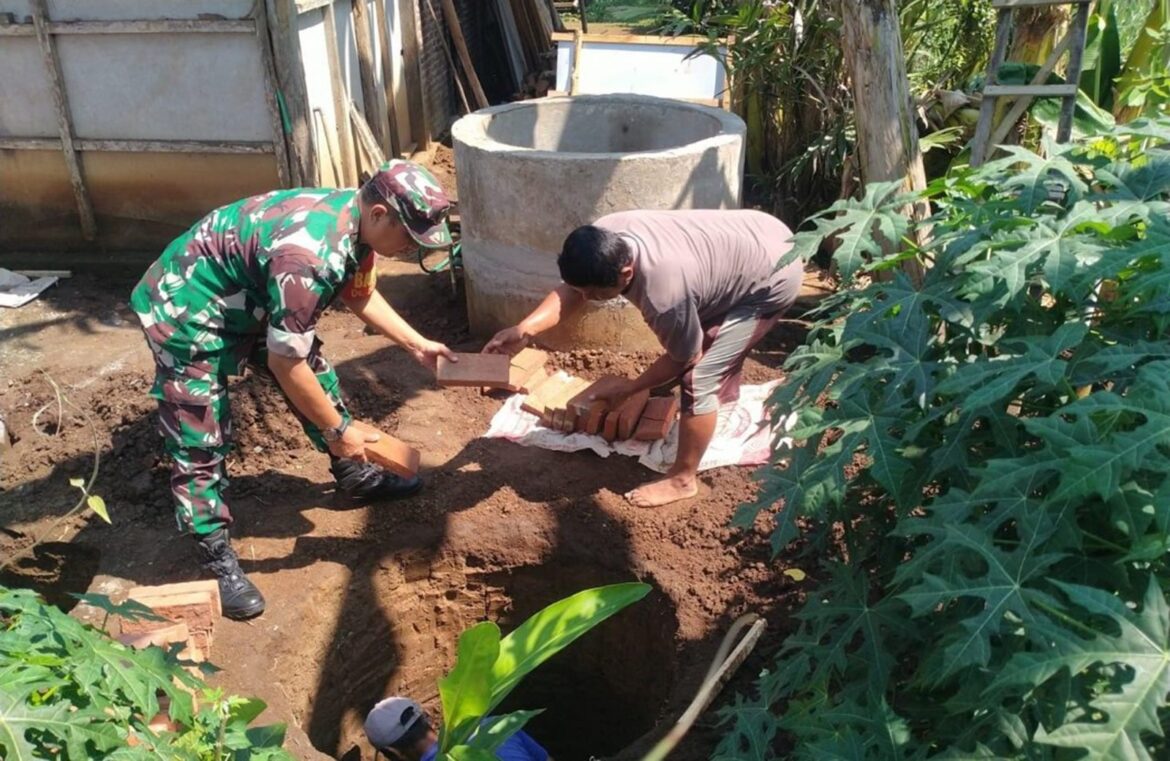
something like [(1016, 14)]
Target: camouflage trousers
[(194, 419)]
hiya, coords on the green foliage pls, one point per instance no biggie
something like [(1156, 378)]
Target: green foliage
[(69, 691), (488, 668), (981, 484)]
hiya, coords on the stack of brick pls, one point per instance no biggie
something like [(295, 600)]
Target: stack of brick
[(561, 401), (189, 611), (565, 403)]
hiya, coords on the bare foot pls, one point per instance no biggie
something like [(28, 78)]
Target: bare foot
[(664, 491)]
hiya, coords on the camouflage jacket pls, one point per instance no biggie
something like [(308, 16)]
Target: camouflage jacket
[(268, 264)]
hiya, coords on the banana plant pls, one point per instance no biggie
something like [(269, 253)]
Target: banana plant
[(488, 667)]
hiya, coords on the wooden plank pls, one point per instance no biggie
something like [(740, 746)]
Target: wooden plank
[(1021, 104), (290, 74), (408, 13), (135, 26), (980, 144), (450, 61), (575, 76), (391, 144), (348, 157), (371, 97), (1034, 3), (456, 30), (1076, 59), (137, 146), (513, 46), (1035, 91), (474, 370), (268, 65), (689, 41), (304, 6), (366, 138), (40, 16)]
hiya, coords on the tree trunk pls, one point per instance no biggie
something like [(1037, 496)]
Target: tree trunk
[(1037, 32), (1128, 106), (887, 139)]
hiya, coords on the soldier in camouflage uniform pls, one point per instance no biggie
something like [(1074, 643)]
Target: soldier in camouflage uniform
[(245, 286)]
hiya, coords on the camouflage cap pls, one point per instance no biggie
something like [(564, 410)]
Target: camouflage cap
[(419, 199)]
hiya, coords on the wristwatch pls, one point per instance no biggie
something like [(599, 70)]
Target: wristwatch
[(334, 434)]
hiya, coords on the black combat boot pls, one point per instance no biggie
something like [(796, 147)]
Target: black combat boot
[(239, 596), (360, 482)]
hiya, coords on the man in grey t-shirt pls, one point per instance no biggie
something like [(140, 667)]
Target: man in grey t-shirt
[(706, 283)]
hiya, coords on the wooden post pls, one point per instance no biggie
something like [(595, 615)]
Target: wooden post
[(451, 63), (581, 10), (887, 139), (286, 54), (578, 47), (390, 140), (365, 53), (456, 30), (341, 120), (408, 12), (270, 91), (40, 16)]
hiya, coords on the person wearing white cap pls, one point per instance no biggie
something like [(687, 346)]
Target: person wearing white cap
[(399, 729)]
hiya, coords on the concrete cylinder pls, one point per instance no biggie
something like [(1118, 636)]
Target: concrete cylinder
[(531, 172)]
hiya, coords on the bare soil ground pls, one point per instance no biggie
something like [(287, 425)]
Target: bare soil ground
[(369, 601)]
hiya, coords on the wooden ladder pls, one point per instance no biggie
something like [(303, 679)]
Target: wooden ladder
[(989, 134)]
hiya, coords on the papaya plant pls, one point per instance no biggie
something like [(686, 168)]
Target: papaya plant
[(489, 667), (980, 489), (69, 691)]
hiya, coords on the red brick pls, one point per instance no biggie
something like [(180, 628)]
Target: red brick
[(389, 452), (630, 411), (652, 430), (582, 403), (595, 420), (527, 384), (166, 635), (195, 609), (538, 401), (210, 586), (661, 408), (474, 370), (610, 427)]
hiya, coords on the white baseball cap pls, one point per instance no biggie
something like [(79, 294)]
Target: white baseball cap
[(390, 720)]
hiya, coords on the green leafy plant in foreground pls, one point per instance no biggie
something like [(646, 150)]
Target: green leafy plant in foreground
[(68, 691), (980, 484), (488, 668)]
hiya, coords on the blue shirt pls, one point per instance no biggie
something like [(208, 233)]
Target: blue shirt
[(518, 747)]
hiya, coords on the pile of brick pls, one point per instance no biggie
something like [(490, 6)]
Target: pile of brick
[(561, 401), (188, 611)]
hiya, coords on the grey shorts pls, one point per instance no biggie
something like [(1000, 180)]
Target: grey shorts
[(714, 379)]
